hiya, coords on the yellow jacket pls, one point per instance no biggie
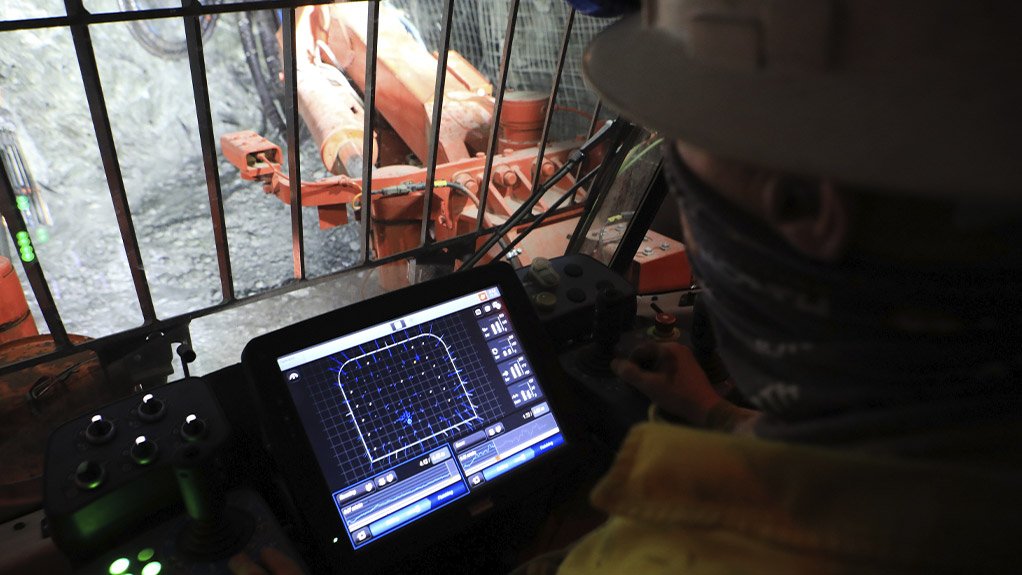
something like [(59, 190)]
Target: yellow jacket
[(685, 501)]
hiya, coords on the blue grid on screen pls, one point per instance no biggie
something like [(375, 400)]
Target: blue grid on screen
[(404, 419)]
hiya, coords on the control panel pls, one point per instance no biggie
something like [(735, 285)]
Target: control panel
[(564, 293), (139, 486), (128, 449)]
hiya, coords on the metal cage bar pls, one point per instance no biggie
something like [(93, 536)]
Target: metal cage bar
[(108, 152), (78, 21), (33, 269), (369, 101), (625, 139), (498, 106), (438, 106), (204, 116), (84, 17), (287, 26), (641, 220), (593, 124), (537, 173)]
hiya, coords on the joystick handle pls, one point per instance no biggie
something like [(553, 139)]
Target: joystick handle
[(215, 531), (613, 314), (201, 491)]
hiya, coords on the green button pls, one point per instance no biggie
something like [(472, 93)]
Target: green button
[(119, 566), (146, 554), (27, 254), (153, 568)]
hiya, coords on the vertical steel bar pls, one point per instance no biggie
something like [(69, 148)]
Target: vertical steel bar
[(593, 124), (623, 140), (438, 106), (294, 167), (204, 116), (369, 101), (16, 224), (498, 106), (646, 211), (108, 152), (537, 173)]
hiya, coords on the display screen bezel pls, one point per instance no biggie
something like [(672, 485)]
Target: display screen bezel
[(295, 457)]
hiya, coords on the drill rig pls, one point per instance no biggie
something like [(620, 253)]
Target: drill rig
[(331, 43)]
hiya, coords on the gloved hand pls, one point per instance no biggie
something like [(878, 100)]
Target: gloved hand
[(670, 376)]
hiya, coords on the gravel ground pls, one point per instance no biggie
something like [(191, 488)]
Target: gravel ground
[(153, 117)]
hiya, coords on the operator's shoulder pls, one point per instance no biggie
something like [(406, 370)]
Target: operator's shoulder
[(682, 491)]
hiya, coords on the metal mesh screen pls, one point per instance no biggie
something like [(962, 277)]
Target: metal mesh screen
[(478, 34)]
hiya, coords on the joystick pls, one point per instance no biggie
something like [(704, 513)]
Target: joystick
[(89, 475), (613, 316), (215, 531), (99, 430), (144, 451), (151, 409), (193, 429)]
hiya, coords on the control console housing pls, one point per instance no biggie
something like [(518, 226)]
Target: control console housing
[(109, 471), (564, 290)]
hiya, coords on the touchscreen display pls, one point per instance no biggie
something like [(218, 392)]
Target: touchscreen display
[(412, 414)]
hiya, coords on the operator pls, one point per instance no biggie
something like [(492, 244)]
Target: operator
[(849, 175)]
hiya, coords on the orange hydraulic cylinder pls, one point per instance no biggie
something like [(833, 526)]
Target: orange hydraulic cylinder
[(405, 76), (15, 318), (335, 117)]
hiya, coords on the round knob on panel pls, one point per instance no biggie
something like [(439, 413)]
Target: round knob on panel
[(144, 451), (545, 301), (99, 430), (663, 325), (89, 474), (151, 409), (573, 270), (193, 429)]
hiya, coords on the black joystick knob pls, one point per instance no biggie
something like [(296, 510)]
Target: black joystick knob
[(151, 409), (664, 326), (89, 474), (194, 428), (99, 430), (144, 451), (215, 530), (612, 316)]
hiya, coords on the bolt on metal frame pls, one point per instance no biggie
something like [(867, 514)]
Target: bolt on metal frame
[(78, 21)]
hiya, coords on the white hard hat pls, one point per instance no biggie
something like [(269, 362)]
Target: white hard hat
[(915, 95)]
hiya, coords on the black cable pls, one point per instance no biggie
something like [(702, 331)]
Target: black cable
[(574, 158), (539, 219), (267, 99), (148, 32), (519, 214)]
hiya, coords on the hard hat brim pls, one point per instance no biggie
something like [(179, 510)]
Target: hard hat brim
[(937, 132)]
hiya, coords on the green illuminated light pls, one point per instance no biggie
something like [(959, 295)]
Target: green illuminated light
[(119, 566), (22, 238), (146, 554), (27, 254), (153, 568), (23, 203)]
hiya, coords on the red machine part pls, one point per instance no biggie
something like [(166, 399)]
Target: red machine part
[(397, 209), (405, 76), (334, 114), (659, 265), (331, 39), (16, 320)]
